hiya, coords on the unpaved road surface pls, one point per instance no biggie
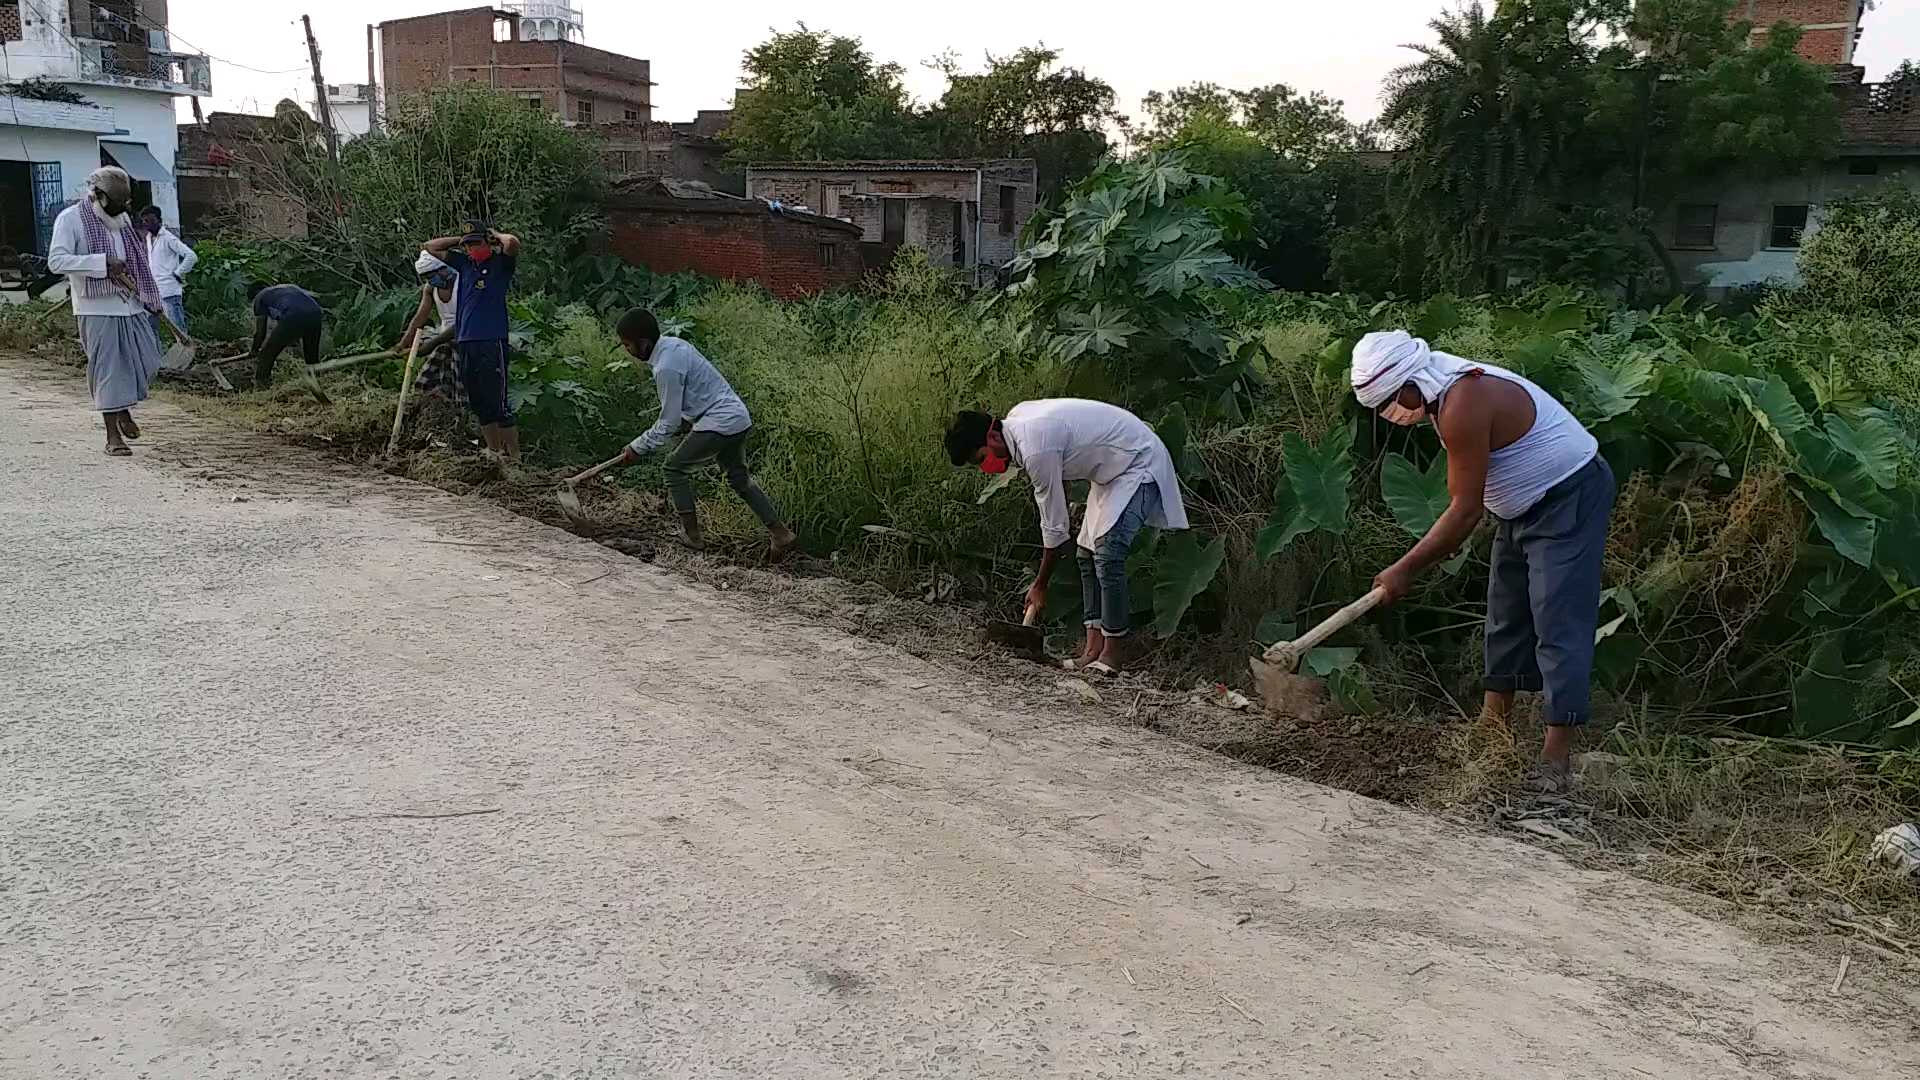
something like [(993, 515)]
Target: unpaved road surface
[(696, 839)]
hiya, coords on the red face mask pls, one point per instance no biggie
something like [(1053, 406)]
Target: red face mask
[(997, 459), (479, 252)]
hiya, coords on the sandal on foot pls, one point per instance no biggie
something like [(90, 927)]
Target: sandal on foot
[(1101, 667), (119, 451)]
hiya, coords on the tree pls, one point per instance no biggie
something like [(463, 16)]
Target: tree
[(1865, 257), (1025, 105), (1306, 128), (1486, 118), (1290, 204), (812, 95)]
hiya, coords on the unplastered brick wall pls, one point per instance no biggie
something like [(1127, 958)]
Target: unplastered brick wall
[(785, 255), (1828, 25), (999, 232)]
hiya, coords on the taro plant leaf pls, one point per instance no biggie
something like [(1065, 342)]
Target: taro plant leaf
[(1824, 691), (1187, 566), (1873, 442), (1176, 431), (1346, 678), (1776, 409), (1274, 628), (1439, 316), (1328, 659), (1320, 476), (1899, 544), (1287, 521), (1416, 498), (1853, 537), (1561, 318), (1614, 391), (997, 485)]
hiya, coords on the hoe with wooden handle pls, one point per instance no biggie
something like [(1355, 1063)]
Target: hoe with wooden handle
[(569, 497), (1286, 655)]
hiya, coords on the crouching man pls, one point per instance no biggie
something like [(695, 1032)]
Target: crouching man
[(1132, 486), (1518, 454)]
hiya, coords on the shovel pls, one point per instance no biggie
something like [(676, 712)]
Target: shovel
[(1273, 672), (1025, 638), (570, 499)]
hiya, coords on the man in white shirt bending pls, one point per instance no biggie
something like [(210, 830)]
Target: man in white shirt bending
[(694, 394), (1132, 485), (171, 260)]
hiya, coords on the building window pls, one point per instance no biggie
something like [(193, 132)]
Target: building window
[(583, 111), (1863, 166), (633, 114), (1789, 225), (829, 254), (534, 102), (1009, 196), (1694, 226), (893, 221)]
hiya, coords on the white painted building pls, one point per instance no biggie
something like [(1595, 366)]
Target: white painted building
[(352, 107), (114, 53)]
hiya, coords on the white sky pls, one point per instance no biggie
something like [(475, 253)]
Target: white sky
[(1342, 49)]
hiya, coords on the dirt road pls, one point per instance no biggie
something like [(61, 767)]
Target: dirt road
[(309, 773)]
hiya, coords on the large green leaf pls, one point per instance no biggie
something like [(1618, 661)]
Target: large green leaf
[(1187, 567), (1614, 391), (1440, 315), (1098, 331), (1176, 431), (1898, 551), (998, 484), (1561, 318), (1778, 412), (1825, 691), (1286, 522), (1417, 499), (1853, 537), (1873, 442), (1320, 475), (1274, 628)]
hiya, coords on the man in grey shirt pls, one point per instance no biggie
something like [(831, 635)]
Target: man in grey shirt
[(694, 394)]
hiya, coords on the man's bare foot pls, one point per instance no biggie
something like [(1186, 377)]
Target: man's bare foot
[(116, 443), (690, 535), (782, 544), (1117, 655), (1090, 650), (128, 429)]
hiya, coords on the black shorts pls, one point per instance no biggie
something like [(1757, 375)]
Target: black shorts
[(483, 368)]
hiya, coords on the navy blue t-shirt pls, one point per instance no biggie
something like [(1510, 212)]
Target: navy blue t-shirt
[(282, 303), (482, 315)]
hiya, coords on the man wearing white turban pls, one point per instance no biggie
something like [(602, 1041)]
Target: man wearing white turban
[(1518, 454), (97, 245)]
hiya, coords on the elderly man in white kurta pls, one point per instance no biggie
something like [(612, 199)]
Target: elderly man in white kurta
[(96, 244), (1131, 485)]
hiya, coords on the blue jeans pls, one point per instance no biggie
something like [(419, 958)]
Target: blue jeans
[(176, 310), (1543, 594), (1103, 571)]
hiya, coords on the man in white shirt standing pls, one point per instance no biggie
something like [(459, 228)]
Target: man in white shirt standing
[(96, 244), (694, 394), (172, 260), (1131, 485)]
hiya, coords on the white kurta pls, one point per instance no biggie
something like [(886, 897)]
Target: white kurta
[(69, 255), (1060, 440)]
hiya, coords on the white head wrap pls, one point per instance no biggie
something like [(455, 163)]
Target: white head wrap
[(427, 263), (1385, 361), (113, 180)]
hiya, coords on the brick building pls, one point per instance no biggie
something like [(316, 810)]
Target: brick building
[(678, 150), (525, 49), (1830, 28), (668, 225), (963, 214)]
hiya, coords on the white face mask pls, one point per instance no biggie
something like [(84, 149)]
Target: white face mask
[(1396, 413)]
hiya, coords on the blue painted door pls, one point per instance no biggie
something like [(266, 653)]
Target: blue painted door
[(49, 198)]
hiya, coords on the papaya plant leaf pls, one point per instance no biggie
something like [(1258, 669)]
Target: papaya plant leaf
[(1417, 499), (1873, 443), (1853, 537), (1286, 522), (1320, 477), (1187, 566)]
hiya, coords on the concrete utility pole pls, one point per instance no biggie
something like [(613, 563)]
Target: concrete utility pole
[(320, 96), (373, 87)]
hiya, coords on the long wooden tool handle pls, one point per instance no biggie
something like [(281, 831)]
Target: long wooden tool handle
[(1031, 616), (177, 332), (597, 469), (1336, 622), (400, 407)]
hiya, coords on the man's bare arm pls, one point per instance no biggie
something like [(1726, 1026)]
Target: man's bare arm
[(1467, 430)]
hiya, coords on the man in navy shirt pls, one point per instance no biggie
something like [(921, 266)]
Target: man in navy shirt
[(295, 313), (485, 261)]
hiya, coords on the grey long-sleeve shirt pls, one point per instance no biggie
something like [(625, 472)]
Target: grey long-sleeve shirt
[(691, 388)]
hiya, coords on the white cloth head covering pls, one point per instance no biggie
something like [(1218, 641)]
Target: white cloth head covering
[(428, 263), (111, 180), (1387, 360)]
